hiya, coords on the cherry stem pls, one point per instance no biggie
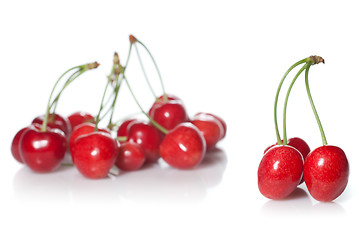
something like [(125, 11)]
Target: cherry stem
[(157, 125), (101, 105), (144, 72), (44, 124), (324, 140), (165, 98), (279, 141), (286, 102)]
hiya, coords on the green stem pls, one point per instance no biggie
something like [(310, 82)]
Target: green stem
[(157, 69), (101, 105), (279, 141), (144, 72), (158, 126), (286, 102), (324, 140), (44, 124)]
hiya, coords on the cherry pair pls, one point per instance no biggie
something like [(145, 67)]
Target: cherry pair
[(285, 165)]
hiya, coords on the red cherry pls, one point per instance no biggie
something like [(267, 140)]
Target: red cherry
[(83, 129), (223, 123), (56, 121), (210, 127), (280, 171), (131, 156), (94, 154), (148, 137), (169, 114), (122, 131), (326, 173), (78, 118), (15, 145), (183, 147), (42, 151), (159, 101)]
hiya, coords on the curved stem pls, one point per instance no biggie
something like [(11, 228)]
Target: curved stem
[(101, 106), (144, 72), (324, 140), (157, 69), (279, 141), (158, 126), (286, 102), (44, 124)]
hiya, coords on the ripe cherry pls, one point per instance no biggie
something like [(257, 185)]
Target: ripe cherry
[(183, 147), (83, 129), (326, 173), (122, 131), (42, 151), (94, 154), (55, 121), (169, 114), (131, 156), (78, 118), (148, 137), (223, 123), (15, 145), (210, 127), (159, 101), (280, 171)]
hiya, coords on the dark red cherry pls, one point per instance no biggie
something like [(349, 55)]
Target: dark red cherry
[(55, 121), (78, 118), (42, 151), (183, 147), (94, 154), (15, 145), (326, 173), (159, 101), (169, 114), (131, 156), (280, 171), (148, 137)]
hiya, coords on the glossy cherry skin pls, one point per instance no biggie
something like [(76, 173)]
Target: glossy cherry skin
[(42, 151), (223, 123), (169, 114), (130, 157), (122, 130), (15, 145), (83, 129), (56, 121), (159, 101), (148, 137), (94, 154), (183, 147), (78, 118), (326, 173), (210, 127), (280, 171)]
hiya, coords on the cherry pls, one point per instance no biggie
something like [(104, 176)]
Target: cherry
[(298, 144), (161, 100), (223, 123), (42, 151), (122, 131), (148, 137), (131, 156), (94, 154), (83, 129), (55, 121), (210, 127), (15, 145), (169, 114), (78, 118), (326, 173), (183, 147), (279, 171)]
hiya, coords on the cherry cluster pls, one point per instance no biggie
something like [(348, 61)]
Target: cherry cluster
[(169, 133), (289, 162)]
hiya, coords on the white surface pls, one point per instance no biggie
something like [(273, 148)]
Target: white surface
[(225, 57)]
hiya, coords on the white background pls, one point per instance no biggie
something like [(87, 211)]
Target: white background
[(224, 57)]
